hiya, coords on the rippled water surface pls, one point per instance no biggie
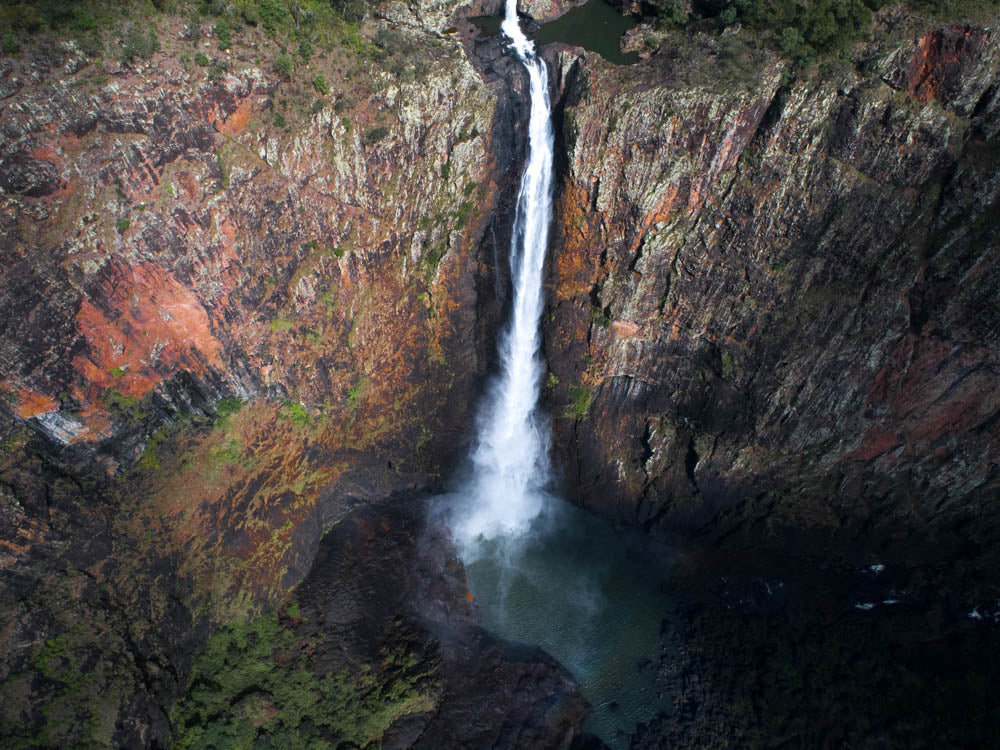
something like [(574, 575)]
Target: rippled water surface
[(573, 587)]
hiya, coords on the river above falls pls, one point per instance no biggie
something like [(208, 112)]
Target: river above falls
[(596, 26), (581, 591)]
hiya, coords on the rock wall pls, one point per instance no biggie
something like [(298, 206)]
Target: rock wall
[(179, 238), (170, 239), (774, 297)]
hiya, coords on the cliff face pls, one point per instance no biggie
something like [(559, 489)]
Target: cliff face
[(235, 306), (774, 304), (169, 240)]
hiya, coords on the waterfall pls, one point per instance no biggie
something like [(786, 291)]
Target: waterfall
[(510, 461)]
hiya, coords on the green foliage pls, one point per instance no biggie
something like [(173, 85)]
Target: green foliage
[(354, 395), (401, 55), (253, 687), (467, 135), (580, 397), (223, 171), (223, 34), (464, 212), (228, 406), (271, 13), (201, 59), (956, 10), (9, 44), (127, 407), (806, 30), (229, 453), (117, 372), (802, 30), (374, 135), (599, 317), (282, 324), (83, 20), (140, 42), (306, 50), (672, 14), (218, 68), (122, 225), (319, 83), (280, 121), (295, 413), (353, 11), (284, 66)]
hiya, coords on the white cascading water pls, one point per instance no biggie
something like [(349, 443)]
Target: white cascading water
[(511, 461)]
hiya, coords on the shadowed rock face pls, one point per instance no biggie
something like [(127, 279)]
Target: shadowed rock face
[(385, 581), (778, 301), (773, 318)]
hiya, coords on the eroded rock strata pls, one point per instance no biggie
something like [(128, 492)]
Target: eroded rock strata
[(245, 320), (774, 303)]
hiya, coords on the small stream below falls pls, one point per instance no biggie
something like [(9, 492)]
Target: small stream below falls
[(580, 589)]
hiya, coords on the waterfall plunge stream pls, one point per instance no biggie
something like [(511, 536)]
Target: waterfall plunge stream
[(543, 571), (511, 462)]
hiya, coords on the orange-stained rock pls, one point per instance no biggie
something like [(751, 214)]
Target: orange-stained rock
[(31, 403), (625, 329)]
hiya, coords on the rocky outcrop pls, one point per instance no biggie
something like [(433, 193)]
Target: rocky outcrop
[(774, 302), (236, 306), (166, 242)]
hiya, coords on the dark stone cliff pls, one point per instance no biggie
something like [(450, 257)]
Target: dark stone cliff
[(781, 297), (238, 313)]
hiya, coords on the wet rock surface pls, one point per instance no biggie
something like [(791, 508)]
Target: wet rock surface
[(382, 575)]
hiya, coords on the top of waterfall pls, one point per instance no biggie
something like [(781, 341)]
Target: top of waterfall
[(524, 47)]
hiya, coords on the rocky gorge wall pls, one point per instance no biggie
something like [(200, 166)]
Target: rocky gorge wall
[(774, 297), (236, 305), (239, 311)]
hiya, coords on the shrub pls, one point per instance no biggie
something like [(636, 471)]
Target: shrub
[(579, 401), (201, 59), (354, 395), (122, 225), (224, 407), (305, 50), (599, 317), (223, 34), (223, 171), (139, 43), (282, 325), (83, 20), (9, 45), (319, 83), (192, 32), (284, 66), (374, 135), (295, 413), (272, 13), (254, 686)]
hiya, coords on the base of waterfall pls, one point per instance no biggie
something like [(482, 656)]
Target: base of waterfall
[(568, 582)]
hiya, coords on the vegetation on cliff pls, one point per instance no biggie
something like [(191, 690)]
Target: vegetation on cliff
[(805, 30), (254, 686)]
